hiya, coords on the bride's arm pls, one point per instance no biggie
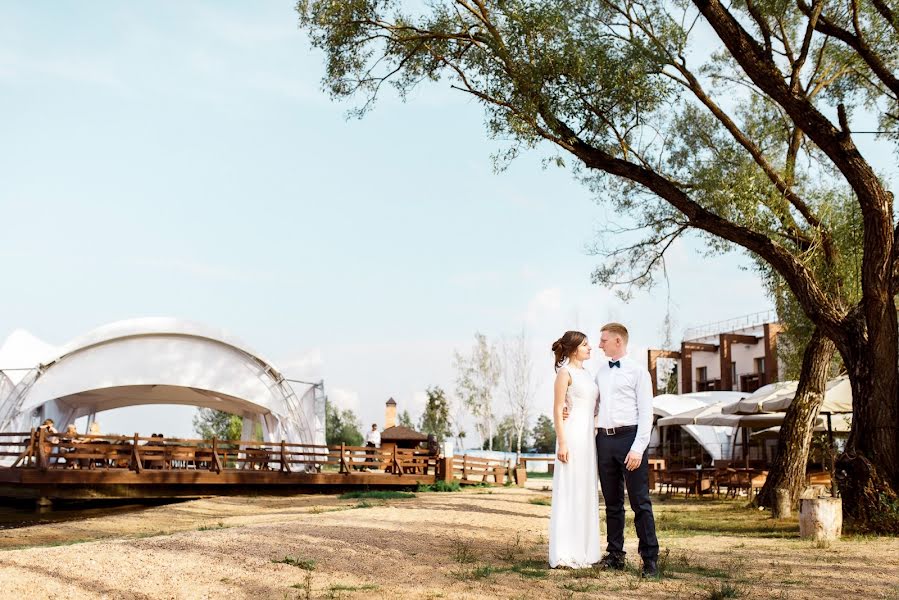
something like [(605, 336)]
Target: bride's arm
[(560, 389)]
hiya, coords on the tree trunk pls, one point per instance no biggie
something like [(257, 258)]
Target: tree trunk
[(868, 470), (519, 433), (788, 471)]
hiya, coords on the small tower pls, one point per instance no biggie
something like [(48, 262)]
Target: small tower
[(390, 414)]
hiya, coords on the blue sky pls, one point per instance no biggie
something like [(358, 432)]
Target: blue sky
[(180, 159)]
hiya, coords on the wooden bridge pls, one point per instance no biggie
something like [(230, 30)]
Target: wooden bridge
[(44, 465)]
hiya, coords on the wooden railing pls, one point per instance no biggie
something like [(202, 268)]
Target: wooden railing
[(41, 449), (471, 469)]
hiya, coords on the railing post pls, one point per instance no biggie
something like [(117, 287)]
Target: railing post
[(27, 453), (216, 461), (464, 467), (285, 467), (42, 460), (135, 456), (445, 468), (344, 468)]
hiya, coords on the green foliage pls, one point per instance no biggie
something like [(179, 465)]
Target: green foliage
[(301, 563), (406, 420), (341, 427), (544, 435), (477, 375), (723, 590), (209, 423), (506, 435), (435, 420), (439, 486)]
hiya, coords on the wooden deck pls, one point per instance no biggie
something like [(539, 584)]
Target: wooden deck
[(45, 465)]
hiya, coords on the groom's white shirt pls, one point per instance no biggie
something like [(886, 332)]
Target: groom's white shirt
[(625, 398)]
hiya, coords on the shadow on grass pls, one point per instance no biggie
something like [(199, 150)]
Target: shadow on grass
[(686, 518)]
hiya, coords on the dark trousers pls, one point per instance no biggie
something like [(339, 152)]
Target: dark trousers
[(611, 451)]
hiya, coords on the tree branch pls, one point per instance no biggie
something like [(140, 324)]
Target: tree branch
[(822, 309), (857, 43)]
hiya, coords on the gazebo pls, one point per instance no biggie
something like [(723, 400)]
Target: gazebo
[(157, 361)]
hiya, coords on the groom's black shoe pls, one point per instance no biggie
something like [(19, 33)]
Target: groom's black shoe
[(612, 561), (650, 568)]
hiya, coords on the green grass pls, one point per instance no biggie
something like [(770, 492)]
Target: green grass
[(723, 590), (378, 495), (536, 475), (529, 572), (687, 518), (541, 500), (305, 564), (339, 587), (219, 525), (364, 504), (439, 486), (578, 586)]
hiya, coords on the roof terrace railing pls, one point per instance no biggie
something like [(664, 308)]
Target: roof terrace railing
[(729, 325)]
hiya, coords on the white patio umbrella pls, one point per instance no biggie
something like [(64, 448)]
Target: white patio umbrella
[(837, 399), (767, 393), (689, 417), (758, 421), (841, 423)]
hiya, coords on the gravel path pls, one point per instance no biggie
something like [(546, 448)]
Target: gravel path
[(478, 543)]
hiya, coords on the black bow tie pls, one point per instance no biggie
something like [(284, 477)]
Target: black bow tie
[(614, 363)]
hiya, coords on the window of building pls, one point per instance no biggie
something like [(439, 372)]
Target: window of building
[(702, 374), (760, 366), (733, 373)]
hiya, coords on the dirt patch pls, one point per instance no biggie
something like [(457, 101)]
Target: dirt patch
[(474, 544)]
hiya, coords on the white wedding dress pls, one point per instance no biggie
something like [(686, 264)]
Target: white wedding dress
[(574, 520)]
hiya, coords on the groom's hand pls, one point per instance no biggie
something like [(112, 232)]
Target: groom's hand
[(564, 413), (632, 460)]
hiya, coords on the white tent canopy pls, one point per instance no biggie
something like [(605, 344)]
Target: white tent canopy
[(837, 399), (162, 361), (717, 441), (690, 417), (21, 352), (840, 423), (776, 397), (758, 421)]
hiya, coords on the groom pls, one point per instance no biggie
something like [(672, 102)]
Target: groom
[(623, 426)]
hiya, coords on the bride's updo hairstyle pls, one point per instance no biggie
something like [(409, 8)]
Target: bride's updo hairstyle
[(567, 345)]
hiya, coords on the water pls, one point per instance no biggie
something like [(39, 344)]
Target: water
[(15, 514)]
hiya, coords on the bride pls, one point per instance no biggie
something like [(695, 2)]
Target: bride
[(574, 520)]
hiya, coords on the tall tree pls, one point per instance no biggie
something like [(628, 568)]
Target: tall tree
[(809, 356), (406, 420), (506, 434), (210, 423), (477, 375), (435, 420), (617, 85), (341, 427), (519, 384), (544, 435)]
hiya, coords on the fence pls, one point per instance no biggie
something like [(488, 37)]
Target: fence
[(43, 450)]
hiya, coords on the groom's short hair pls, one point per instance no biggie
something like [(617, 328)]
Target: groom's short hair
[(617, 329)]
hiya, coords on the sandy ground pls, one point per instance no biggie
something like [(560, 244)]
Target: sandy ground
[(479, 543)]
